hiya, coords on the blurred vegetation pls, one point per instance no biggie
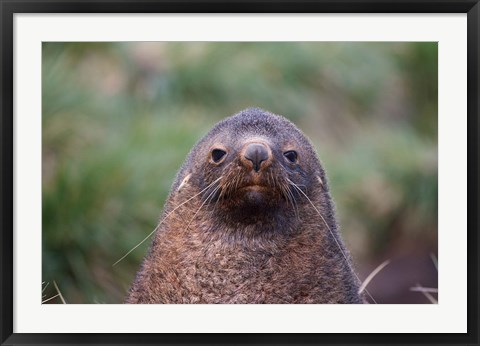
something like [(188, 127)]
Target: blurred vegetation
[(118, 119)]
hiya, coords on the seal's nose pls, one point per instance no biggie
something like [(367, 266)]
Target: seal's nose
[(256, 153)]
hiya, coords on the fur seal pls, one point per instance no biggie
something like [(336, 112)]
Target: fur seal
[(249, 219)]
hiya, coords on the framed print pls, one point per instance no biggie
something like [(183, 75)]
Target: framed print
[(260, 172)]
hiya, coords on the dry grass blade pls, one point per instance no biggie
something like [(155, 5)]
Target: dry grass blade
[(434, 260), (424, 289), (372, 275), (425, 292), (430, 298), (59, 293), (46, 300)]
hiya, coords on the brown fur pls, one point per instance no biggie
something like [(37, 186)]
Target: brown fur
[(240, 244)]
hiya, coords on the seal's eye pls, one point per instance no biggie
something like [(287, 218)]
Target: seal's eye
[(291, 155), (218, 155)]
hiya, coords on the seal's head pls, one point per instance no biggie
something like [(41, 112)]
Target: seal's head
[(249, 220), (253, 168)]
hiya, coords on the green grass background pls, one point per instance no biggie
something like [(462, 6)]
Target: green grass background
[(118, 119)]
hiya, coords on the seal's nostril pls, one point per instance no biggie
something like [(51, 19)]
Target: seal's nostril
[(256, 153)]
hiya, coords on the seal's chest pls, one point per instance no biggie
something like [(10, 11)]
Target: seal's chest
[(235, 276)]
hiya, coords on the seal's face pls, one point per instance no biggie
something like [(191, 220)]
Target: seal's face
[(255, 171), (254, 168)]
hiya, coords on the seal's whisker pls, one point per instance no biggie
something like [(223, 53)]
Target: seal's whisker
[(293, 199), (286, 193), (291, 193), (223, 183), (214, 208), (231, 184), (217, 199), (237, 180), (286, 196), (331, 233), (205, 201), (165, 217), (270, 180), (210, 193), (226, 187), (212, 196)]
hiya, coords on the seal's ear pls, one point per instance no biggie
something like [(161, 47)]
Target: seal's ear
[(184, 181), (320, 181)]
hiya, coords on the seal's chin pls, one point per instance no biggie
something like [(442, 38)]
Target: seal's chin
[(259, 206), (255, 194)]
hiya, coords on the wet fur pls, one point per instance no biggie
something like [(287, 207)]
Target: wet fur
[(228, 246)]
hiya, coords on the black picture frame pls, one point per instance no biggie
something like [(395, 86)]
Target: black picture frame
[(10, 7)]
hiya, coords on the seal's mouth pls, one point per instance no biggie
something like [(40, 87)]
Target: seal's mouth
[(255, 188), (260, 186), (255, 194), (240, 188)]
